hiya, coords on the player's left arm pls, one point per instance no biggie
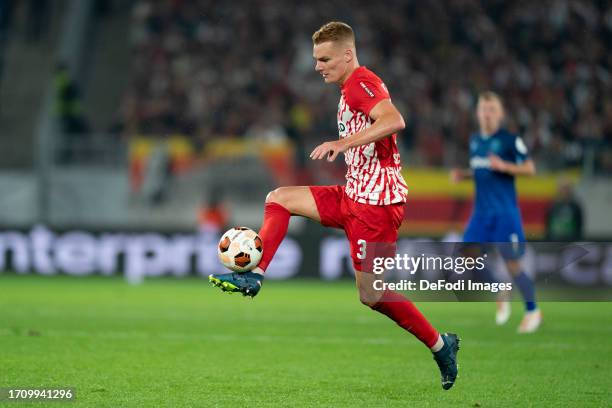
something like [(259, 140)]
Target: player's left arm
[(387, 121), (522, 166)]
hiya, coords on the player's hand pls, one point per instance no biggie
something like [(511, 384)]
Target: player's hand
[(456, 175), (497, 163), (331, 150)]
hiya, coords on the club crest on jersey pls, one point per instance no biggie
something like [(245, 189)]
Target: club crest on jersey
[(341, 127), (495, 146), (365, 88)]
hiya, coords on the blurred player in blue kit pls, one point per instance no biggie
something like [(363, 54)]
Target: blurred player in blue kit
[(496, 157)]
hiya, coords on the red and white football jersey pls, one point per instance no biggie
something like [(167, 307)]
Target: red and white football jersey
[(374, 170)]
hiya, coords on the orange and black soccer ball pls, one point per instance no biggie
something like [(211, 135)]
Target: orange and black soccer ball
[(240, 249)]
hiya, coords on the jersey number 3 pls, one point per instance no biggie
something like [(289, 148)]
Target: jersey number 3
[(362, 249)]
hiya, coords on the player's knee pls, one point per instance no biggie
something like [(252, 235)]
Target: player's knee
[(514, 267), (271, 196), (278, 196)]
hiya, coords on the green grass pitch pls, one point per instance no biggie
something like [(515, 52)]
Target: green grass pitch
[(175, 343)]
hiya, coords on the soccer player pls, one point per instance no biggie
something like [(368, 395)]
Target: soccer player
[(496, 157), (370, 207)]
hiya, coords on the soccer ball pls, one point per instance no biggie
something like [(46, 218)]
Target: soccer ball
[(240, 249)]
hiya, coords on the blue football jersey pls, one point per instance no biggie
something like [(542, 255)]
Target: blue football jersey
[(495, 191)]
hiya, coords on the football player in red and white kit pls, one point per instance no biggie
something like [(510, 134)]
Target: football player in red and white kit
[(370, 208)]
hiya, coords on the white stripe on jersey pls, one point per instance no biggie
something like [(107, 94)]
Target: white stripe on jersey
[(366, 181)]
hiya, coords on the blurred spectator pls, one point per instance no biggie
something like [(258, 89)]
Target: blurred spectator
[(69, 110), (565, 219), (213, 215), (68, 102), (157, 174), (222, 68)]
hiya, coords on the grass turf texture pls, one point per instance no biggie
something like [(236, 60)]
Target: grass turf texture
[(301, 343)]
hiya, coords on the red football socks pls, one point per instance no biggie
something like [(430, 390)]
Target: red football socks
[(273, 230), (407, 316), (392, 304)]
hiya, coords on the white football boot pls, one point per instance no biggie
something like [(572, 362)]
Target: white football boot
[(531, 322), (502, 315)]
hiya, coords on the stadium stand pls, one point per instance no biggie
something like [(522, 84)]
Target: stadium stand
[(208, 70)]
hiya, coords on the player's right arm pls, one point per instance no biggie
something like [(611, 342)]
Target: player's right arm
[(458, 174), (387, 121), (369, 95)]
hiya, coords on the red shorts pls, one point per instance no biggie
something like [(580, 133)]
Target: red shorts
[(364, 224)]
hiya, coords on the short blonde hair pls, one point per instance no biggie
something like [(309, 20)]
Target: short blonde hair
[(335, 31), (490, 96)]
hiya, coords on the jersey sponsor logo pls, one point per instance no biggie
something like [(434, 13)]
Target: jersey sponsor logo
[(520, 145), (365, 88), (480, 163)]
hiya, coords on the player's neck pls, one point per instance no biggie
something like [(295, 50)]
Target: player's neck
[(349, 72), (485, 132)]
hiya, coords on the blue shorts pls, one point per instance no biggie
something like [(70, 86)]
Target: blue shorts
[(504, 230)]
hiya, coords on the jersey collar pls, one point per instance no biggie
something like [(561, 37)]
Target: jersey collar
[(360, 68), (487, 137)]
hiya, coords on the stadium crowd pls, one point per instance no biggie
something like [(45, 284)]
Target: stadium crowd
[(244, 69)]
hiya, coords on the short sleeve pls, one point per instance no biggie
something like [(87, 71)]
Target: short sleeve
[(520, 150), (365, 93)]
